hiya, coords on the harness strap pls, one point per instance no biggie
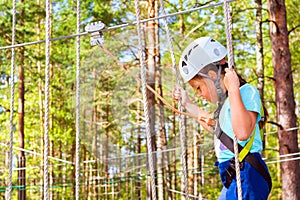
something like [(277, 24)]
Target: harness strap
[(244, 152), (248, 146), (249, 158)]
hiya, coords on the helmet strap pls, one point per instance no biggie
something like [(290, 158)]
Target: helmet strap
[(221, 94), (221, 98)]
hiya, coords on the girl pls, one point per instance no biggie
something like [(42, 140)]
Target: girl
[(203, 66)]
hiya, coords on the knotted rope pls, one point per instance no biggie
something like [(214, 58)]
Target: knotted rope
[(230, 64), (180, 119), (144, 92), (12, 99)]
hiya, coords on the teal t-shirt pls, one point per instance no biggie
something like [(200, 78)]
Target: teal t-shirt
[(251, 101)]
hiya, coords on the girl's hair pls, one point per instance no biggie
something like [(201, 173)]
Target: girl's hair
[(215, 68), (241, 79)]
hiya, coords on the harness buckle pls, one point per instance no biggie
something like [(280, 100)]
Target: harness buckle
[(230, 171)]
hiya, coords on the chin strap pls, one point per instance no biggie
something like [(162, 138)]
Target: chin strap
[(221, 98)]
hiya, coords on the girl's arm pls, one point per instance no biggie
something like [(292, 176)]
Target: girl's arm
[(180, 94), (243, 121)]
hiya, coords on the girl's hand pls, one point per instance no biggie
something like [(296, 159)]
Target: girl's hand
[(231, 80), (179, 94)]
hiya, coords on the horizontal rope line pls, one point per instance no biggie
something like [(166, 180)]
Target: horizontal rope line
[(284, 130), (140, 154), (114, 27), (283, 160), (179, 192), (38, 154), (193, 171)]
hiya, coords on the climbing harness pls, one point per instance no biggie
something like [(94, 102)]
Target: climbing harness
[(244, 156)]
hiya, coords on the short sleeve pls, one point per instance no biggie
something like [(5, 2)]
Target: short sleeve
[(251, 99)]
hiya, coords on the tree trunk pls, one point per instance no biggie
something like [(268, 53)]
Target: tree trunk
[(196, 163), (173, 159), (41, 105), (151, 48), (73, 151), (285, 104), (162, 160), (106, 150), (190, 162), (260, 57), (139, 144), (51, 170), (84, 156), (181, 20), (21, 136), (60, 168)]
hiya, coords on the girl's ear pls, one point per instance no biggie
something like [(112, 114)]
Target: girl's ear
[(212, 74)]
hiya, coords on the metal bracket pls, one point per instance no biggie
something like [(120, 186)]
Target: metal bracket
[(95, 29)]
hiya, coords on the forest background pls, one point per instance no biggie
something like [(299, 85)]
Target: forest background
[(113, 159)]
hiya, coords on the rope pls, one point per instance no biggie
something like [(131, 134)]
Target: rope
[(38, 154), (285, 130), (131, 156), (144, 91), (77, 123), (47, 81), (193, 170), (188, 195), (115, 27), (181, 122), (12, 99), (230, 64)]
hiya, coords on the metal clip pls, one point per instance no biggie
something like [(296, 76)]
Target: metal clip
[(95, 28)]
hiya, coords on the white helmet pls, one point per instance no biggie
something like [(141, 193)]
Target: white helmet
[(198, 54)]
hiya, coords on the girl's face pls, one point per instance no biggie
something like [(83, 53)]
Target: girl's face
[(205, 88)]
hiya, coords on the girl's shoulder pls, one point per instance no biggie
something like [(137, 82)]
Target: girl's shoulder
[(247, 86), (250, 94), (248, 89)]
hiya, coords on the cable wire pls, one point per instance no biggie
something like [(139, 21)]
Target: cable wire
[(115, 27)]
